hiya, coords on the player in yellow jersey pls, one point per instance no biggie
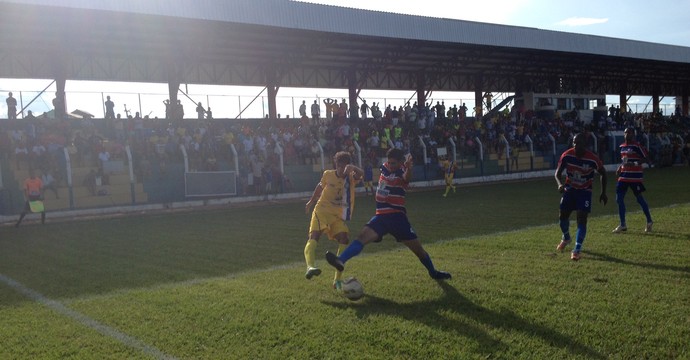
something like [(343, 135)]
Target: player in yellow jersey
[(449, 168), (333, 203)]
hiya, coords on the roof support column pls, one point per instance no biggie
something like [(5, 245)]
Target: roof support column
[(272, 90), (171, 107), (655, 100), (173, 88), (478, 103), (352, 93), (272, 107), (623, 97), (520, 87), (59, 101), (478, 96), (684, 101), (421, 84)]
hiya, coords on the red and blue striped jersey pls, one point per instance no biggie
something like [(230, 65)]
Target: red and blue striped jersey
[(580, 171), (390, 194), (632, 156)]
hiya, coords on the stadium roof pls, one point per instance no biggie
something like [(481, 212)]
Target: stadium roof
[(253, 42)]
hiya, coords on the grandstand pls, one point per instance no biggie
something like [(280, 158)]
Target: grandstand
[(147, 159)]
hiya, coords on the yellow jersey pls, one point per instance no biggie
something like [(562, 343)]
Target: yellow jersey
[(337, 195), (448, 167)]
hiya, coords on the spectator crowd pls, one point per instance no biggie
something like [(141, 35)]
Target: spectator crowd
[(39, 142)]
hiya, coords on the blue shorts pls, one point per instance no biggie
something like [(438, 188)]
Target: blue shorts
[(622, 188), (577, 199), (395, 224)]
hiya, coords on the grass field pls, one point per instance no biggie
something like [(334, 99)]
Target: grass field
[(229, 283)]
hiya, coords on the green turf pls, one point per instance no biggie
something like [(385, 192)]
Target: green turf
[(201, 284)]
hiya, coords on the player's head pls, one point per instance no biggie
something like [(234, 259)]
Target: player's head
[(579, 142), (342, 159), (629, 133), (396, 157)]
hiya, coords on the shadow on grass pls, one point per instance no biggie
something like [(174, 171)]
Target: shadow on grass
[(604, 257), (658, 233), (668, 235), (431, 312)]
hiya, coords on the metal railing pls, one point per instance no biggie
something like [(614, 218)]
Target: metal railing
[(231, 106)]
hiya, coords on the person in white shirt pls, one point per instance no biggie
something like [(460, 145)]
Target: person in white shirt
[(49, 183), (103, 157)]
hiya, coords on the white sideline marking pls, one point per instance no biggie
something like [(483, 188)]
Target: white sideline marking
[(85, 320)]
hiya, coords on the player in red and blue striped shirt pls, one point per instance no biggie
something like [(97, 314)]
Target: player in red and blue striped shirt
[(633, 155), (580, 166), (391, 216)]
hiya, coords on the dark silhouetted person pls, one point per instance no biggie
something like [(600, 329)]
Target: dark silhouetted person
[(11, 107), (109, 108)]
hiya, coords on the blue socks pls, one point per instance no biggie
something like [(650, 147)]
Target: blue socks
[(620, 199), (428, 264), (645, 208), (356, 247), (351, 251), (565, 228), (580, 237)]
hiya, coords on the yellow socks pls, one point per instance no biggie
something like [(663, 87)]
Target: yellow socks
[(310, 252)]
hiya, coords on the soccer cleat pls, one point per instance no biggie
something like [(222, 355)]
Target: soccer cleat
[(311, 272), (440, 275), (338, 285), (620, 229), (575, 256), (648, 227), (561, 246), (334, 261)]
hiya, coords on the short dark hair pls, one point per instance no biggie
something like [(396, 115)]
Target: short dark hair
[(395, 153)]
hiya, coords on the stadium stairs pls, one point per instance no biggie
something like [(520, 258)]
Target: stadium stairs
[(116, 192)]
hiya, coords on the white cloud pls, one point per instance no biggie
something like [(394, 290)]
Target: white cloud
[(582, 21)]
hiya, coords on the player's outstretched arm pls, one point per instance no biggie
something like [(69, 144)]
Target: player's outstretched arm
[(409, 162), (557, 176), (603, 198), (358, 172), (314, 198)]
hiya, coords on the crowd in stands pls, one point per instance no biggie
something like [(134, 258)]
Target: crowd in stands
[(38, 143)]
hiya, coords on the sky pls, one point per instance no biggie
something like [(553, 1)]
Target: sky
[(661, 21)]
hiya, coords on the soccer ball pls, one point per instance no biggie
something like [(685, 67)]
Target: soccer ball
[(352, 289)]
